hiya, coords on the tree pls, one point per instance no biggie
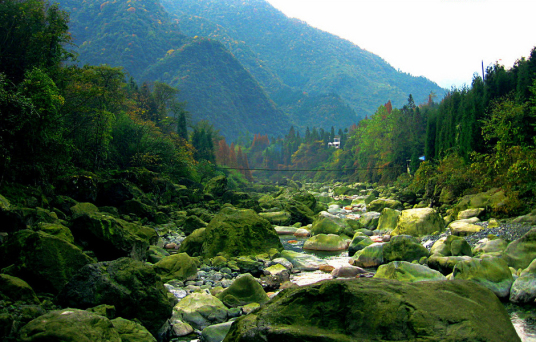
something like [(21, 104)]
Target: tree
[(202, 140)]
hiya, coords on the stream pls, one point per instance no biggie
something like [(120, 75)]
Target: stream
[(523, 317)]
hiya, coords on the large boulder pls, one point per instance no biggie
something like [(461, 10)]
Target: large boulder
[(280, 218), (16, 290), (404, 248), (381, 203), (70, 325), (523, 290), (44, 261), (370, 256), (111, 238), (200, 310), (235, 232), (328, 224), (299, 212), (419, 222), (57, 230), (132, 286), (193, 244), (463, 228), (244, 290), (407, 272), (359, 242), (369, 220), (491, 272), (326, 242), (451, 246), (177, 267), (490, 246), (388, 219), (130, 331), (303, 262), (217, 186), (378, 310), (520, 253), (445, 264)]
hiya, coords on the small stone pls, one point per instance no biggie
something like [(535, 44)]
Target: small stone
[(326, 268)]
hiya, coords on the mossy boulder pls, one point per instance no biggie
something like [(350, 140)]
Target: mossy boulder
[(303, 262), (137, 208), (407, 272), (328, 225), (378, 310), (241, 200), (491, 272), (216, 332), (370, 256), (369, 220), (404, 248), (130, 331), (57, 230), (445, 264), (299, 212), (217, 186), (14, 289), (235, 232), (133, 287), (388, 219), (192, 223), (156, 253), (491, 247), (520, 253), (193, 244), (463, 228), (523, 290), (11, 219), (451, 246), (177, 267), (419, 222), (200, 310), (280, 218), (326, 242), (80, 209), (359, 242), (44, 261), (379, 204), (111, 238), (70, 325), (244, 290)]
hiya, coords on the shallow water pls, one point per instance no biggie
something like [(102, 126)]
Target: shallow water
[(524, 320)]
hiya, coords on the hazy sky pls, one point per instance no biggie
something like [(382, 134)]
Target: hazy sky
[(442, 40)]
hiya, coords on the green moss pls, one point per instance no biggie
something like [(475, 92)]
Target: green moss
[(244, 290), (177, 267)]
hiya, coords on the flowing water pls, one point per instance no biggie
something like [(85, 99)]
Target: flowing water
[(523, 317)]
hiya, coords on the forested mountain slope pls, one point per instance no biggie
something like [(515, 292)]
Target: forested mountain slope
[(139, 36), (289, 57)]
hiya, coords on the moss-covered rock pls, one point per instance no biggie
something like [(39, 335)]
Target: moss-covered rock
[(370, 256), (369, 220), (388, 219), (57, 230), (132, 286), (462, 228), (419, 222), (407, 272), (216, 332), (523, 290), (378, 310), (130, 331), (328, 225), (192, 223), (44, 261), (445, 264), (491, 247), (280, 218), (235, 232), (70, 325), (244, 290), (177, 267), (303, 262), (326, 242), (156, 253), (379, 204), (200, 310), (111, 238), (359, 242), (491, 272), (299, 212), (404, 248), (80, 209), (451, 246), (82, 188), (520, 253), (137, 208), (193, 244), (241, 200), (217, 186), (14, 289)]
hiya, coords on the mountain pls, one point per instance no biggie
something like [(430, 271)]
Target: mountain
[(287, 56), (141, 37)]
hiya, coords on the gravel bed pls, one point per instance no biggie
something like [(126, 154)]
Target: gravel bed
[(507, 231)]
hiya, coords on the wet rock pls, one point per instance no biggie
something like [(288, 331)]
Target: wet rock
[(303, 262), (200, 310), (407, 272), (419, 222), (451, 246), (461, 228), (177, 267), (404, 248), (347, 271), (370, 256), (358, 243), (520, 253), (216, 332), (244, 290), (326, 242)]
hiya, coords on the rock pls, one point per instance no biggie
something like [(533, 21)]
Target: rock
[(328, 225), (381, 203), (523, 290), (358, 243), (235, 232), (347, 271), (155, 253), (70, 325), (181, 328), (193, 244), (137, 208), (419, 222), (216, 332), (105, 310), (111, 238), (244, 290), (299, 212), (444, 264), (200, 310), (461, 228), (520, 253), (492, 247), (57, 230), (369, 220), (451, 246), (241, 200), (285, 230), (249, 308), (469, 213), (370, 256), (281, 218), (302, 232), (378, 310), (491, 272), (407, 272), (282, 261), (326, 268), (217, 186), (177, 267), (130, 331), (275, 275), (388, 219), (44, 261), (326, 242), (303, 262), (404, 248), (192, 223), (14, 289), (133, 287), (80, 209)]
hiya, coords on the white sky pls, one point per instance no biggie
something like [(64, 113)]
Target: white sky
[(442, 40)]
